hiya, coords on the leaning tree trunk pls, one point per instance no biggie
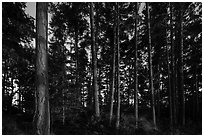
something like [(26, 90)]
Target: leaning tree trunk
[(136, 68), (118, 72), (150, 67), (42, 112), (94, 62), (113, 75)]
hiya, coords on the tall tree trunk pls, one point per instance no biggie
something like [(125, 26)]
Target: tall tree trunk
[(136, 67), (180, 72), (113, 72), (118, 70), (96, 22), (169, 77), (173, 74), (94, 62), (42, 109), (97, 26), (150, 66)]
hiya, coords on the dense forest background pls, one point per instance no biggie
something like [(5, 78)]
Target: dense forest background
[(110, 68)]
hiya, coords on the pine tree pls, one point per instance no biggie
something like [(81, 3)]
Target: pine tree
[(136, 67), (42, 113), (94, 62), (118, 70), (169, 76), (173, 74), (113, 72), (150, 66), (180, 72)]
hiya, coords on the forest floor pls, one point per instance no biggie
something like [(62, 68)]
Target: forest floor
[(21, 124)]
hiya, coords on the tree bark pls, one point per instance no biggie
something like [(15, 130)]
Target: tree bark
[(42, 112), (113, 74), (94, 63), (136, 67), (118, 71), (150, 66)]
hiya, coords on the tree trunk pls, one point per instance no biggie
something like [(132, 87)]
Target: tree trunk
[(173, 74), (96, 26), (180, 72), (169, 77), (42, 112), (136, 68), (94, 62), (118, 71), (113, 74), (150, 67)]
